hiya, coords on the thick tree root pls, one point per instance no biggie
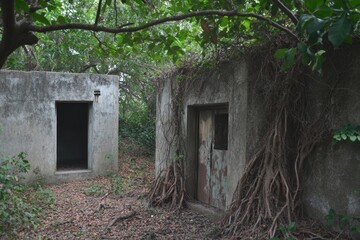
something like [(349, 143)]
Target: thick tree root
[(268, 193), (168, 188)]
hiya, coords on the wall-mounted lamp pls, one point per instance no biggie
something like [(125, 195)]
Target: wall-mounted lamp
[(97, 95)]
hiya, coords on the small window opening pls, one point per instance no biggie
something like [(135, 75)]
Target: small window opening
[(72, 136), (221, 131)]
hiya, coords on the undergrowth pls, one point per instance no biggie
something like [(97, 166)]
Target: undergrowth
[(18, 208), (138, 126)]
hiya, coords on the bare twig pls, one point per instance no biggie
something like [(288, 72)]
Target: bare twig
[(103, 197), (121, 217)]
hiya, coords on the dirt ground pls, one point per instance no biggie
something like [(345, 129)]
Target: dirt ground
[(115, 207)]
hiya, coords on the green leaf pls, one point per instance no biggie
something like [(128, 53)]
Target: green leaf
[(339, 31), (353, 138), (280, 53), (343, 136), (340, 4), (42, 3), (315, 29), (312, 5), (40, 18), (323, 12), (354, 3), (291, 227), (282, 229), (356, 228), (61, 19), (319, 60), (289, 59), (246, 24), (344, 221), (348, 39), (304, 20), (337, 137), (224, 22), (21, 5)]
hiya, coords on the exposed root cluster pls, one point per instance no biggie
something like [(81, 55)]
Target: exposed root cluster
[(268, 193), (169, 188)]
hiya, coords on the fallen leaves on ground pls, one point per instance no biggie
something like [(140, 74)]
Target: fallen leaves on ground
[(115, 207)]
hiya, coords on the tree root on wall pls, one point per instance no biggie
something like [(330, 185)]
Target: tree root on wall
[(269, 193), (168, 188)]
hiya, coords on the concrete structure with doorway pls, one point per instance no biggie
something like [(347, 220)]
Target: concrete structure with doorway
[(67, 124), (215, 119)]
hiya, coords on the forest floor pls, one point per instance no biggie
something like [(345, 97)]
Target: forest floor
[(115, 207)]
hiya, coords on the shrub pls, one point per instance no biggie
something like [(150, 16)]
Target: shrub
[(17, 208), (138, 125), (14, 210)]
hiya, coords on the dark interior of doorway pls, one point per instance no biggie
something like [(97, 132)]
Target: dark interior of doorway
[(72, 136)]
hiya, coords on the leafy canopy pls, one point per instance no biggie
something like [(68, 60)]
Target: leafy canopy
[(129, 24)]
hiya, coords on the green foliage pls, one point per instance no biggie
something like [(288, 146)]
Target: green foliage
[(319, 21), (137, 123), (43, 198), (348, 132), (288, 55), (18, 207), (286, 231), (14, 209), (117, 185), (345, 222), (94, 190)]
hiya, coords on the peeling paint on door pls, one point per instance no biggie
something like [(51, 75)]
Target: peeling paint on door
[(212, 166)]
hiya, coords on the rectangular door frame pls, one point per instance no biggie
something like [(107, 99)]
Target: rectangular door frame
[(192, 144)]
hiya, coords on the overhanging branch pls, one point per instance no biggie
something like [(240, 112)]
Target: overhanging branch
[(286, 11), (124, 28)]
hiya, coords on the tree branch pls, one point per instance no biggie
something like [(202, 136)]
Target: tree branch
[(286, 10), (116, 13), (123, 29), (98, 13), (8, 16), (90, 65), (14, 35)]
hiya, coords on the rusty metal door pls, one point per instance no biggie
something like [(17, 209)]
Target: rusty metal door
[(212, 157)]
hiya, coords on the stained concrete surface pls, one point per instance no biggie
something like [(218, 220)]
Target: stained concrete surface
[(28, 119)]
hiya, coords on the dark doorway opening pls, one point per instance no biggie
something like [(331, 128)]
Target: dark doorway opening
[(72, 135)]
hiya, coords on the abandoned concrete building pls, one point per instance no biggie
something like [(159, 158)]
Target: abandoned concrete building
[(214, 120), (67, 124)]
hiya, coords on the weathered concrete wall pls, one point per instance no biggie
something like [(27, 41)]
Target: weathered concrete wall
[(333, 174), (223, 86), (28, 119)]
